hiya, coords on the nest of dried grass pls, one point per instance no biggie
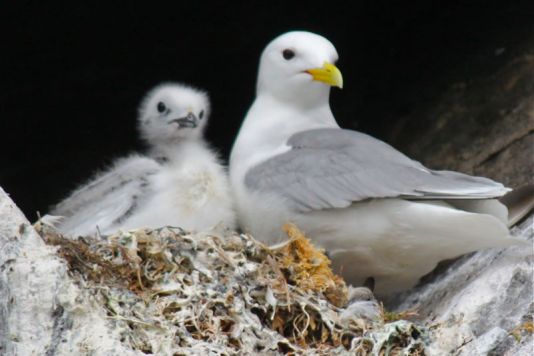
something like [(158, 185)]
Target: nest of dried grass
[(172, 292)]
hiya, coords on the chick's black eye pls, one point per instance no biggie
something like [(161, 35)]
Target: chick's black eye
[(161, 107), (288, 54), (201, 114)]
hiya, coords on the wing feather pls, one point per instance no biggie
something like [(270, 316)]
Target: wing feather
[(109, 198), (330, 168)]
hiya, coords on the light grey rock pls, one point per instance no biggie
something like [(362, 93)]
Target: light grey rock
[(41, 311), (479, 301)]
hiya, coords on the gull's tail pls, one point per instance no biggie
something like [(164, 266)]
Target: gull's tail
[(520, 202)]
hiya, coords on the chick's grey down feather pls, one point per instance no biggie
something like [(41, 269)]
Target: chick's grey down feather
[(112, 190), (332, 168)]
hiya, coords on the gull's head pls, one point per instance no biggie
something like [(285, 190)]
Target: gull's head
[(299, 66), (173, 112)]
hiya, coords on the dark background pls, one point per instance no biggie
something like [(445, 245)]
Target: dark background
[(73, 73)]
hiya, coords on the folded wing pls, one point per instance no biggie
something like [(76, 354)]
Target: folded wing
[(109, 198), (332, 168)]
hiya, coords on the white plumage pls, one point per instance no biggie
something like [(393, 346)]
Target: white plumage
[(179, 183), (378, 213)]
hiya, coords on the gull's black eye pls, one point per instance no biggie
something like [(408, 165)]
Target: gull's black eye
[(288, 54), (201, 114), (161, 107)]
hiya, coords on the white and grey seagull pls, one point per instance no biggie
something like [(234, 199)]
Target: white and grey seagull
[(179, 183), (377, 212)]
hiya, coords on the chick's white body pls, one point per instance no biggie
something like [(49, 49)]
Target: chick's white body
[(292, 163), (180, 182), (191, 191)]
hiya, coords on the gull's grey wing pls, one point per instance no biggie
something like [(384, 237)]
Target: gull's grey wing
[(331, 168), (109, 198)]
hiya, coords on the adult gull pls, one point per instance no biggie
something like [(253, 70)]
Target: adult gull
[(377, 212)]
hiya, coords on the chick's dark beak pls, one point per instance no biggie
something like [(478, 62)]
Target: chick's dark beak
[(190, 121)]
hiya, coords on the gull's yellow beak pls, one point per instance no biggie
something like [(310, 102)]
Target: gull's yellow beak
[(328, 74)]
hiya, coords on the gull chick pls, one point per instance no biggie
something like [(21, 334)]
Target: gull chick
[(180, 182), (377, 212)]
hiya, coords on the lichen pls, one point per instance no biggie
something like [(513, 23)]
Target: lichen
[(526, 328), (172, 292)]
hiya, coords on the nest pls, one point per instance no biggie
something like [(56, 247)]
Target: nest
[(172, 292)]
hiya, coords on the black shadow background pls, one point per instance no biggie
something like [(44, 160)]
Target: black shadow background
[(73, 72)]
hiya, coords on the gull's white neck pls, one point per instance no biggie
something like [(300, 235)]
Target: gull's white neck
[(269, 124)]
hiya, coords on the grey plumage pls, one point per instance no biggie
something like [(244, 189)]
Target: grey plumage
[(109, 195), (332, 168)]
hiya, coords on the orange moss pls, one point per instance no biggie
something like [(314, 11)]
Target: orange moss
[(310, 268)]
